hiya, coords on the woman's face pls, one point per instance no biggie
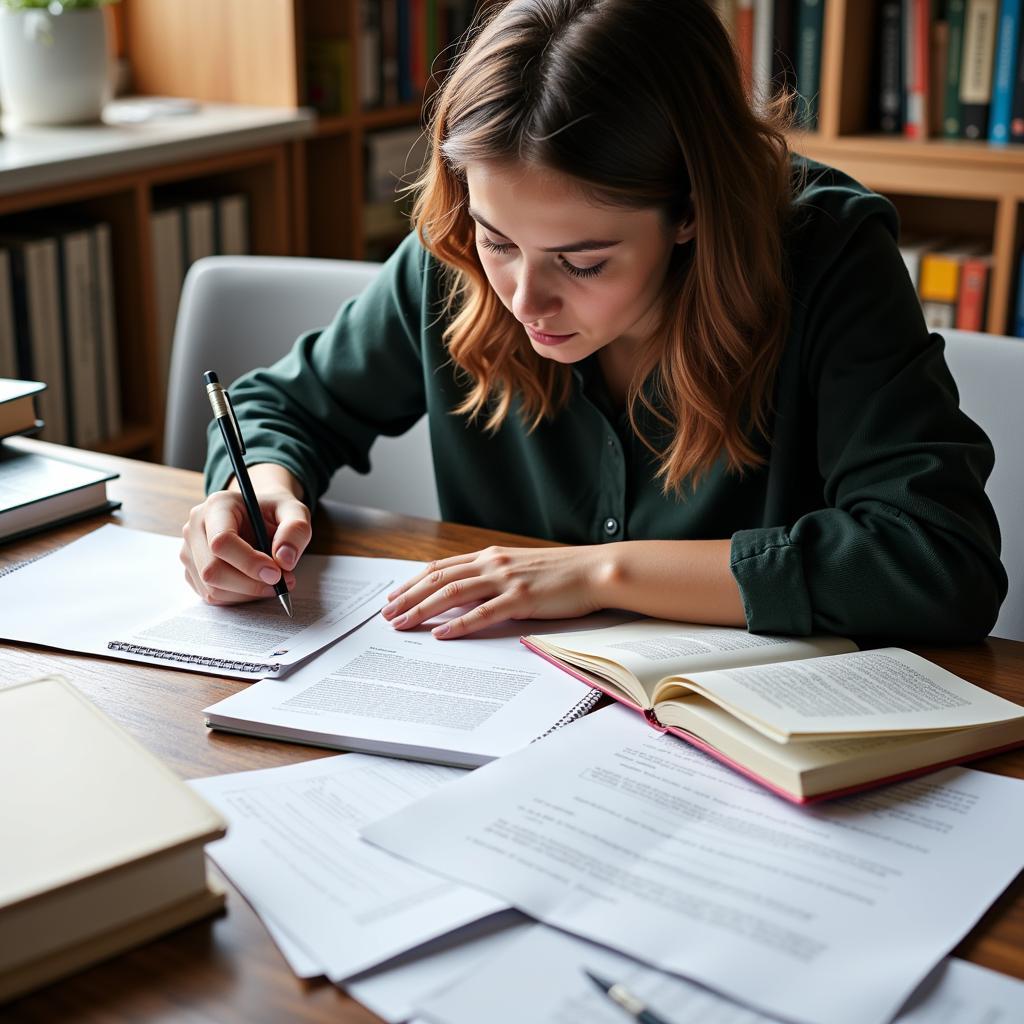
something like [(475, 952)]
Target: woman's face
[(578, 276)]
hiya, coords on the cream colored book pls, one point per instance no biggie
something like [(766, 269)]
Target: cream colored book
[(101, 845), (809, 717)]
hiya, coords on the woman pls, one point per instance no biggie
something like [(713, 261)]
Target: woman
[(639, 326)]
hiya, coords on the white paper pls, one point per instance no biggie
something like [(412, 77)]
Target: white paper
[(382, 691), (540, 978), (830, 914), (117, 585), (294, 851)]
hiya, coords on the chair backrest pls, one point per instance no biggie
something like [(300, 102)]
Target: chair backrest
[(989, 374), (240, 312)]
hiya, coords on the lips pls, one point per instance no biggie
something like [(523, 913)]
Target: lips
[(543, 338)]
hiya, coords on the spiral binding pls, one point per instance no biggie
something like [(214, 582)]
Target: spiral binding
[(582, 707), (194, 659), (8, 569)]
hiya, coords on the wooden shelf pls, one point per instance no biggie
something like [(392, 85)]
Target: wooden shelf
[(133, 440), (392, 117)]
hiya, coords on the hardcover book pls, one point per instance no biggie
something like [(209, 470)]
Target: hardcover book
[(807, 717)]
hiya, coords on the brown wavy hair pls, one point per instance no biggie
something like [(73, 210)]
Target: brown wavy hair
[(641, 102)]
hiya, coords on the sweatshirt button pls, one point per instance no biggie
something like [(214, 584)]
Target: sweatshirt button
[(611, 526)]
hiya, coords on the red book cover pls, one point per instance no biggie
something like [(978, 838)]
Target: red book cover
[(745, 43), (918, 68), (970, 311)]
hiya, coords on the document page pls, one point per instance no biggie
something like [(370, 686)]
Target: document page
[(293, 849), (880, 692), (560, 993), (121, 593), (830, 914), (382, 691)]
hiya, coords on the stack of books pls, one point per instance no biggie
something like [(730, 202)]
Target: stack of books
[(37, 491), (102, 846), (951, 278)]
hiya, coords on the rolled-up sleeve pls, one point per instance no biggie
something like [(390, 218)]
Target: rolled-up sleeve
[(906, 544), (322, 406)]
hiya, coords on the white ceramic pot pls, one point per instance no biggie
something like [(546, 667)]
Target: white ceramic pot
[(53, 67)]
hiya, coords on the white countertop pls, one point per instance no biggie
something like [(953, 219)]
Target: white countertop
[(33, 157)]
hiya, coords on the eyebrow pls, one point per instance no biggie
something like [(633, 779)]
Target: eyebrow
[(584, 246)]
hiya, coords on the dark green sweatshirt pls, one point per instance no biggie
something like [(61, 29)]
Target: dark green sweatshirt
[(868, 518)]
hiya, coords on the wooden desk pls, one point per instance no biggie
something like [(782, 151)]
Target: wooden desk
[(228, 969)]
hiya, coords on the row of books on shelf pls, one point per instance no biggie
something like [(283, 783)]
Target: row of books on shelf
[(779, 44), (183, 230), (952, 280), (399, 42), (951, 69), (58, 319)]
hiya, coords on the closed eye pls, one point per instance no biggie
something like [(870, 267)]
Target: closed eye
[(504, 248)]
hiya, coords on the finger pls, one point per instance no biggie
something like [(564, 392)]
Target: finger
[(222, 525), (440, 579), (498, 609), (292, 533), (451, 596), (433, 567)]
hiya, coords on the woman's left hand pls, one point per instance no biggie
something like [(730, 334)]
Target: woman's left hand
[(503, 583)]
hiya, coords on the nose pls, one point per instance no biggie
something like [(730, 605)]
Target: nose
[(534, 300)]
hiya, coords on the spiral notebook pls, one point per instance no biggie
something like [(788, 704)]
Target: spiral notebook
[(407, 694), (122, 593)]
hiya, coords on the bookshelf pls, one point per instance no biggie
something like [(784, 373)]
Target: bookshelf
[(117, 174), (940, 187)]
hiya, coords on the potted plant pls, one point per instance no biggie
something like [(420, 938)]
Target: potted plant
[(54, 67)]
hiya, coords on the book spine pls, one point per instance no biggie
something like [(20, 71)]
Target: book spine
[(745, 43), (808, 61), (106, 327), (22, 319), (1017, 104), (369, 54), (951, 125), (389, 52), (8, 328), (938, 61), (1008, 39), (970, 311), (403, 31), (917, 17), (976, 69), (46, 314), (83, 349), (890, 65), (253, 667), (762, 70)]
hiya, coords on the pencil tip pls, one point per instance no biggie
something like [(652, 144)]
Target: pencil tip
[(604, 986)]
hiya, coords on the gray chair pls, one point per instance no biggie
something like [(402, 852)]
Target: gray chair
[(239, 312), (989, 374)]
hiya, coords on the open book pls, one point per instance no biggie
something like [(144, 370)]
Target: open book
[(807, 717)]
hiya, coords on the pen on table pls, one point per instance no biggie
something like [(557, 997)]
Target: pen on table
[(626, 1000), (224, 413)]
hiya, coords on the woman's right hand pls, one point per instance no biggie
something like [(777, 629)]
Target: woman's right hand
[(221, 563)]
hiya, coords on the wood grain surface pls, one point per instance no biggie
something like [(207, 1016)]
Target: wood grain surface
[(227, 969)]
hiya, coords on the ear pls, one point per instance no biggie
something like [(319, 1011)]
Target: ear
[(686, 231)]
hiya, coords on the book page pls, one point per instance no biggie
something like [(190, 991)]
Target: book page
[(629, 838), (560, 992), (651, 649), (293, 844), (127, 588), (885, 692), (379, 690)]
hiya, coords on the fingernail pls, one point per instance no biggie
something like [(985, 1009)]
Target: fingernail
[(443, 630), (286, 556), (401, 620), (389, 609), (269, 575), (393, 595)]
